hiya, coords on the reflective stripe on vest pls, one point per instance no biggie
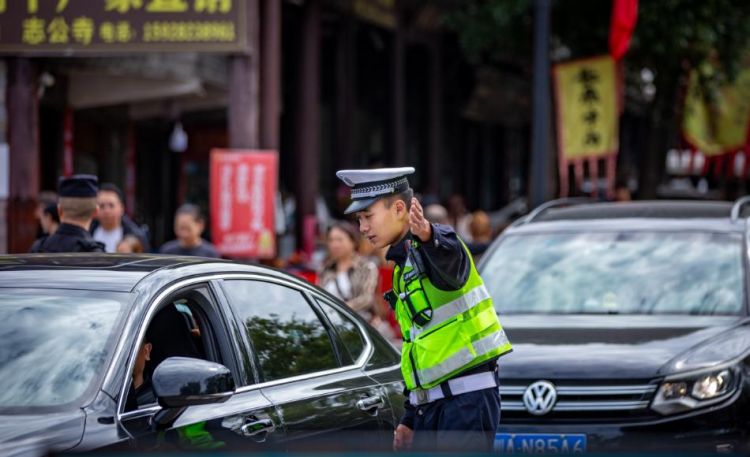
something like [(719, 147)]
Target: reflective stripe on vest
[(464, 357), (452, 309)]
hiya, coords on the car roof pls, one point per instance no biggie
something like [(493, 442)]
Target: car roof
[(674, 209), (110, 272), (640, 215)]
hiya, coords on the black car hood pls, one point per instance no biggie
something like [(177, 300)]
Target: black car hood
[(602, 347), (39, 433)]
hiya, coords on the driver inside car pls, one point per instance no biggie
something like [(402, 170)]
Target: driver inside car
[(140, 392)]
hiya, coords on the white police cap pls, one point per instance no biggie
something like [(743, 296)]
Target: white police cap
[(370, 185)]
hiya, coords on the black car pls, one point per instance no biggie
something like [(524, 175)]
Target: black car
[(241, 357), (630, 327)]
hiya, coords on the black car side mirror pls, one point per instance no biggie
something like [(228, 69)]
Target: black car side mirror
[(180, 382)]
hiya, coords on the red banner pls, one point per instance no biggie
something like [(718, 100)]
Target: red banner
[(624, 18), (243, 190)]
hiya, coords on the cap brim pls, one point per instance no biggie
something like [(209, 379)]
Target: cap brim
[(360, 205)]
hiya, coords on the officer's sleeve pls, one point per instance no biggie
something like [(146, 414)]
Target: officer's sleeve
[(409, 412), (447, 262)]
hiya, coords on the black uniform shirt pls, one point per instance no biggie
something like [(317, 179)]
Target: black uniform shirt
[(447, 263), (68, 238)]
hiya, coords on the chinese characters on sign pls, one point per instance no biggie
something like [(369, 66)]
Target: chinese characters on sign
[(587, 108), (588, 78), (75, 26), (587, 117), (243, 192)]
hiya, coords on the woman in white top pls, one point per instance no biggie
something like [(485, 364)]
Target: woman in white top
[(346, 274)]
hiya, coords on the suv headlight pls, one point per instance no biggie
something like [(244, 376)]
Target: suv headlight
[(680, 394), (712, 385)]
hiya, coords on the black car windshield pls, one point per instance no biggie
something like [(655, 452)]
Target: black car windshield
[(617, 273), (55, 344)]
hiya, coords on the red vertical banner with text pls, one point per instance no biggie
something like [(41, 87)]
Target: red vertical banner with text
[(242, 202)]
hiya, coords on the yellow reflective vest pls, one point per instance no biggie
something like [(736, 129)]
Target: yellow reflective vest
[(463, 331)]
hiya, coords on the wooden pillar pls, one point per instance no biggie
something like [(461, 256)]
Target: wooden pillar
[(308, 125), (486, 173), (510, 164), (23, 139), (270, 93), (4, 160), (243, 103), (244, 97), (68, 151), (346, 84), (435, 110), (398, 94), (130, 170)]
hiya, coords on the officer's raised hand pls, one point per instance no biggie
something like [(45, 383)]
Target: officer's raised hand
[(419, 226)]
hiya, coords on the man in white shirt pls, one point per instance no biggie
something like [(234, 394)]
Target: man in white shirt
[(112, 224)]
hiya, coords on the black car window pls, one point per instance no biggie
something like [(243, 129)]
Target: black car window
[(287, 336), (348, 332), (181, 328)]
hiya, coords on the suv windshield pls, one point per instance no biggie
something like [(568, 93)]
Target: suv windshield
[(54, 344), (617, 273)]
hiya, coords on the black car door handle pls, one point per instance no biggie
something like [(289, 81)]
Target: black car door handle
[(370, 403), (258, 428)]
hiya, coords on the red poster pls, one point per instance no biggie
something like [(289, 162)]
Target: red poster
[(243, 190)]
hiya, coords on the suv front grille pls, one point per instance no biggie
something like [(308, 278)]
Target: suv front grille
[(581, 401)]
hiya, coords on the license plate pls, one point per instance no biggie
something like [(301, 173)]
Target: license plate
[(539, 443)]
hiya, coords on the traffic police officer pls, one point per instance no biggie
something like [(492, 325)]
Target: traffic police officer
[(452, 337), (77, 208)]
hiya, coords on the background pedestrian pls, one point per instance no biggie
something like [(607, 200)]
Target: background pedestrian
[(112, 224), (480, 228), (50, 219), (346, 274), (189, 225)]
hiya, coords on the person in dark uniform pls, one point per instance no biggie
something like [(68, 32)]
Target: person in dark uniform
[(77, 208), (452, 337)]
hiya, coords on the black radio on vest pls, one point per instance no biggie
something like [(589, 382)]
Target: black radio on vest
[(413, 294)]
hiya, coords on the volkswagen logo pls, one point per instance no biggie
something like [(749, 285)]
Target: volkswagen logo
[(540, 397)]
